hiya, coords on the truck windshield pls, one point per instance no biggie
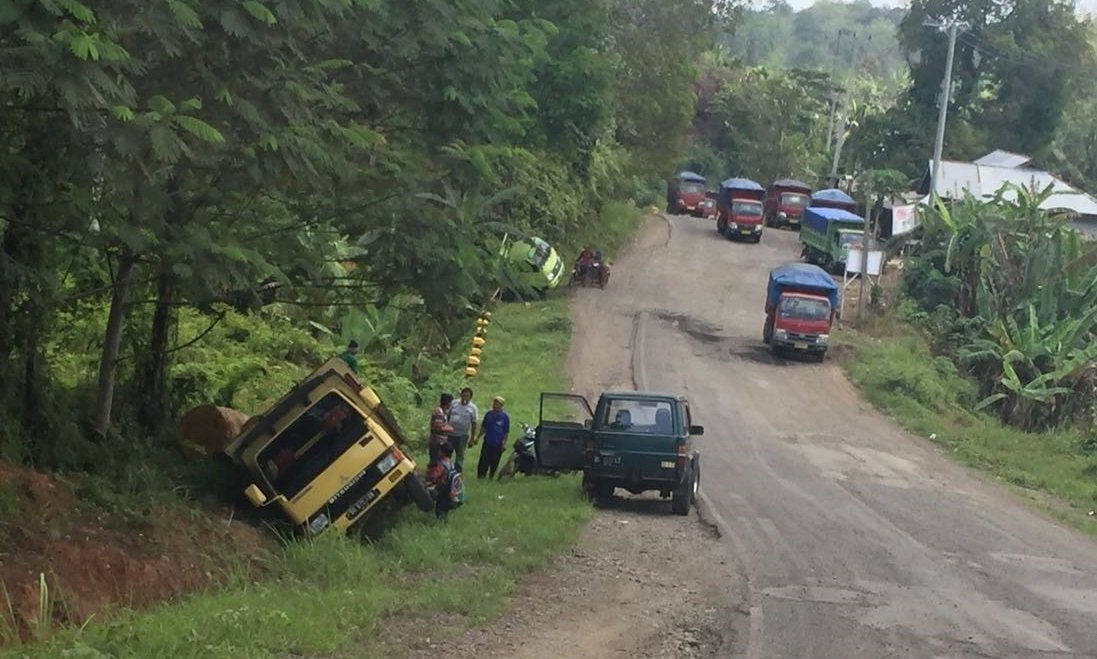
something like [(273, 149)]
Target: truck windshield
[(692, 187), (849, 239), (538, 254), (802, 308), (794, 200), (746, 209), (314, 440), (638, 416)]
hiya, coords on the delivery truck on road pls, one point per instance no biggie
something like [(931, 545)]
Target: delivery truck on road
[(827, 235), (801, 301), (685, 194), (739, 209), (786, 200)]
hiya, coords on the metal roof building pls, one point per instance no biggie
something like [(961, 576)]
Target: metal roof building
[(984, 177)]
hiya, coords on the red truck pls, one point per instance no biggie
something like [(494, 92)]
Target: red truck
[(685, 193), (833, 198), (739, 209), (801, 301), (786, 200)]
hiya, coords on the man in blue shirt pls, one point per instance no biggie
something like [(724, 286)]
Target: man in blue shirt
[(494, 430)]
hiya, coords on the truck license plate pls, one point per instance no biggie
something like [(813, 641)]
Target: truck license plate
[(609, 459), (800, 346), (745, 232)]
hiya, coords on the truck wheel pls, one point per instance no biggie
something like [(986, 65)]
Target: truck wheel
[(680, 500), (774, 349), (417, 490)]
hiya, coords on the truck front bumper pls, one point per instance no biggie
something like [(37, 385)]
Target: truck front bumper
[(802, 343), (735, 228)]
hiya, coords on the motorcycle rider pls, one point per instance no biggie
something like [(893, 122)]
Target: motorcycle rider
[(585, 261)]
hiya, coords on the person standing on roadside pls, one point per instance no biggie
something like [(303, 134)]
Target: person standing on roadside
[(439, 428), (494, 430), (462, 418), (350, 355)]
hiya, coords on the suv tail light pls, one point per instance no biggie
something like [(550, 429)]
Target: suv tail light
[(681, 456)]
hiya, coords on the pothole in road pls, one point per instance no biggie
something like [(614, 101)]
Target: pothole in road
[(692, 327)]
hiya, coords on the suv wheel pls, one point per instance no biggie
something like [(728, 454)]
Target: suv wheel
[(680, 500), (696, 493)]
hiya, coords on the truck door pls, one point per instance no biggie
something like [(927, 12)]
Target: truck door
[(562, 431)]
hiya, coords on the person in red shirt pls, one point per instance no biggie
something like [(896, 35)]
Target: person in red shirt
[(439, 428)]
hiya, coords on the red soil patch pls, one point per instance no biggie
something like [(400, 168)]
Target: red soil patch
[(92, 563)]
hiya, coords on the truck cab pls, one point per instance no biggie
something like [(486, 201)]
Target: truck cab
[(686, 194), (739, 209), (786, 200), (636, 441), (801, 301), (326, 453)]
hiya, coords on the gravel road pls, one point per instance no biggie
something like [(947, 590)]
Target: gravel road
[(840, 535)]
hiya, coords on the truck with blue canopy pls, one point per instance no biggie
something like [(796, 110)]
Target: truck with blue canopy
[(827, 235), (739, 209), (685, 192), (801, 300), (833, 198)]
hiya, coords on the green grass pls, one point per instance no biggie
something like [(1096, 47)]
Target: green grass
[(928, 397), (330, 597)]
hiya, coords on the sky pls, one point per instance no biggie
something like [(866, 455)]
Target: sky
[(1088, 6)]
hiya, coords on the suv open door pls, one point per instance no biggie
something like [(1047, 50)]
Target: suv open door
[(563, 429)]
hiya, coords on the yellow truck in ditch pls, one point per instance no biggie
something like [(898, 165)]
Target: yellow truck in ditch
[(327, 454)]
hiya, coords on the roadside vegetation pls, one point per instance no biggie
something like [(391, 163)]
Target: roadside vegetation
[(201, 201), (338, 596), (997, 361)]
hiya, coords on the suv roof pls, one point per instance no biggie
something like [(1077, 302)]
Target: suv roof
[(643, 395)]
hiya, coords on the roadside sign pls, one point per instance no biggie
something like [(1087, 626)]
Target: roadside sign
[(855, 257), (903, 219)]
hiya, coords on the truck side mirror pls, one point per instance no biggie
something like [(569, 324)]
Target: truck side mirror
[(697, 430), (255, 495)]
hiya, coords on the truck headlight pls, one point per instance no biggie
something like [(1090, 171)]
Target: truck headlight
[(780, 334), (387, 463), (318, 523), (733, 225), (823, 338)]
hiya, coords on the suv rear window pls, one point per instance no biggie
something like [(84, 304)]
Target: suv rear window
[(640, 416)]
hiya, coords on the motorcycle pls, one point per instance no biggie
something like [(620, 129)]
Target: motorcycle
[(523, 459), (596, 274)]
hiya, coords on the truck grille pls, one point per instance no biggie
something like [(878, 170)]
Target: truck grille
[(364, 486), (803, 338)]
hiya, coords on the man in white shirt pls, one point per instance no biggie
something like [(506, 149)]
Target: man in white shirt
[(462, 418)]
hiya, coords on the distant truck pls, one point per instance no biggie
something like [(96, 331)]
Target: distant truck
[(786, 200), (739, 209), (828, 234), (685, 193), (833, 198), (801, 300), (327, 453), (633, 440)]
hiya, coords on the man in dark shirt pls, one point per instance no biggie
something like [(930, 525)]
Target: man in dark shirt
[(494, 430)]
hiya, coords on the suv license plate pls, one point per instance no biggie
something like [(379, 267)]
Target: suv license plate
[(800, 346), (746, 232), (610, 459)]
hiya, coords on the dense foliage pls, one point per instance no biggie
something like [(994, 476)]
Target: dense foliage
[(1010, 292), (196, 194)]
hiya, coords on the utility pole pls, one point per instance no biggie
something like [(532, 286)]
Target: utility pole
[(834, 97), (856, 54), (864, 252), (953, 30)]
